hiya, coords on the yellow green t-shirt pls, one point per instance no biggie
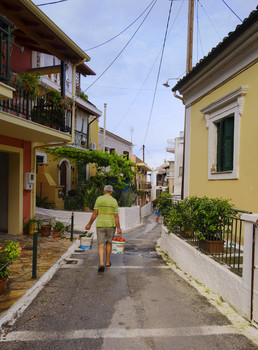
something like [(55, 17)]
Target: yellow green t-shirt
[(107, 206)]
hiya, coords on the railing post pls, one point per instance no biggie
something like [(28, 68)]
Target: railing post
[(72, 219), (34, 257)]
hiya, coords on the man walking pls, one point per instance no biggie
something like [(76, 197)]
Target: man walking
[(106, 210)]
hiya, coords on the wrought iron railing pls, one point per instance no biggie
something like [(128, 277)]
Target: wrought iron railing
[(5, 44), (39, 110), (226, 246)]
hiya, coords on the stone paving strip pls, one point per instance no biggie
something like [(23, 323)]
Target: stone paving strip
[(117, 333), (20, 281)]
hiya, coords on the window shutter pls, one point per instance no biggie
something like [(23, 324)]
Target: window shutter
[(228, 144), (219, 147)]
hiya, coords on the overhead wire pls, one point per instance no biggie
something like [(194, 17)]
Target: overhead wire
[(141, 88), (122, 49), (219, 36), (107, 41), (51, 3), (157, 80), (224, 2)]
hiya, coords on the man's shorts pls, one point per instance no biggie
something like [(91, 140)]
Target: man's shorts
[(105, 234)]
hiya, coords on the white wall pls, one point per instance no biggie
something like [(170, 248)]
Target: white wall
[(146, 210), (119, 144), (129, 217), (218, 278)]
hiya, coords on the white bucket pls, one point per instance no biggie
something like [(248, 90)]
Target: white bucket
[(118, 247), (86, 242)]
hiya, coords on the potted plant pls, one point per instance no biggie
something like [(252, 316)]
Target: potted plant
[(208, 220), (58, 228), (9, 252), (31, 226), (45, 228)]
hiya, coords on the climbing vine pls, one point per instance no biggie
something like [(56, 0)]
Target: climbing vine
[(120, 169)]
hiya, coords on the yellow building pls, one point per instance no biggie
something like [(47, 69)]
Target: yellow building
[(220, 95)]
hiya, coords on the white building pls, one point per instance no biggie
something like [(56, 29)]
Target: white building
[(114, 143)]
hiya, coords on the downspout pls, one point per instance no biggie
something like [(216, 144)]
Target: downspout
[(252, 272), (73, 97), (88, 131), (180, 97)]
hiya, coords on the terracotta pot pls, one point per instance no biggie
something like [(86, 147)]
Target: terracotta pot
[(45, 230), (213, 247), (3, 284), (56, 234)]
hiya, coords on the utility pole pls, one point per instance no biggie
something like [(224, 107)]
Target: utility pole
[(143, 155), (104, 129), (190, 36)]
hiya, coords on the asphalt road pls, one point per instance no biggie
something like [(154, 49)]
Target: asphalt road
[(138, 303)]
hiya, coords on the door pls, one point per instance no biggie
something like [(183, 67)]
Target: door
[(63, 177), (4, 174)]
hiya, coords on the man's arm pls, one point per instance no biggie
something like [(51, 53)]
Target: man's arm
[(93, 217), (119, 231)]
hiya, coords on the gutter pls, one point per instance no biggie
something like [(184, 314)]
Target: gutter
[(179, 97)]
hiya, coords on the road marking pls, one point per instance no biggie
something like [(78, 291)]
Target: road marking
[(130, 267), (117, 333)]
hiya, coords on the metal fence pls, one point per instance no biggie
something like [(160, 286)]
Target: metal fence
[(38, 110), (226, 246)]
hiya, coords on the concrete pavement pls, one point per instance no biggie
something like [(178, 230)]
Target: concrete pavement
[(138, 303)]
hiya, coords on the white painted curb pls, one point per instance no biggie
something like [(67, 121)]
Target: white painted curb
[(15, 311)]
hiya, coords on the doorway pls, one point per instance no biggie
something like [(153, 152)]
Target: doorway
[(4, 185)]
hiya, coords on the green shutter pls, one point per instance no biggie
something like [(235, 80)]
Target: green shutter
[(219, 146), (225, 144), (228, 141)]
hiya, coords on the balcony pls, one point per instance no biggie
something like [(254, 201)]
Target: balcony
[(145, 185), (170, 146), (40, 110)]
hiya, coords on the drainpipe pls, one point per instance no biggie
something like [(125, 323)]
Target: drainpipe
[(88, 131), (73, 97), (252, 276)]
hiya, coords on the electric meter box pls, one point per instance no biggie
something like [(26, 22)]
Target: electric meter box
[(29, 180)]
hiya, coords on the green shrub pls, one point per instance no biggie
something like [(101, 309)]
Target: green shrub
[(9, 252)]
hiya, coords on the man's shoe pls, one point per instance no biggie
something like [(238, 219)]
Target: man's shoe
[(101, 268)]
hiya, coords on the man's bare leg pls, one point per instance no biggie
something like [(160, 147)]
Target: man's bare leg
[(101, 254), (108, 253)]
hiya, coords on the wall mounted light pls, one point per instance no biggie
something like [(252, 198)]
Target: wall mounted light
[(166, 84)]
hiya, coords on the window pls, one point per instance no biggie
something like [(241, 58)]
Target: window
[(126, 154), (225, 144), (223, 123)]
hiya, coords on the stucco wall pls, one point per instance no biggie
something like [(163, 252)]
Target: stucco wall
[(146, 210), (129, 217), (240, 190), (212, 275)]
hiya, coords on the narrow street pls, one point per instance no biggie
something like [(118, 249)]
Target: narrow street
[(137, 303)]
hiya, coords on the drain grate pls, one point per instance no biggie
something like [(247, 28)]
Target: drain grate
[(71, 261)]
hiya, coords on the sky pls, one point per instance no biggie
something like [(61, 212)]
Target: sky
[(140, 108)]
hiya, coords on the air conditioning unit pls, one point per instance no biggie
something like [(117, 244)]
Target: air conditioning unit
[(92, 146), (29, 180)]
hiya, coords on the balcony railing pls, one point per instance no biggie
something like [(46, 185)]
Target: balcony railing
[(5, 43), (145, 185), (39, 110)]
